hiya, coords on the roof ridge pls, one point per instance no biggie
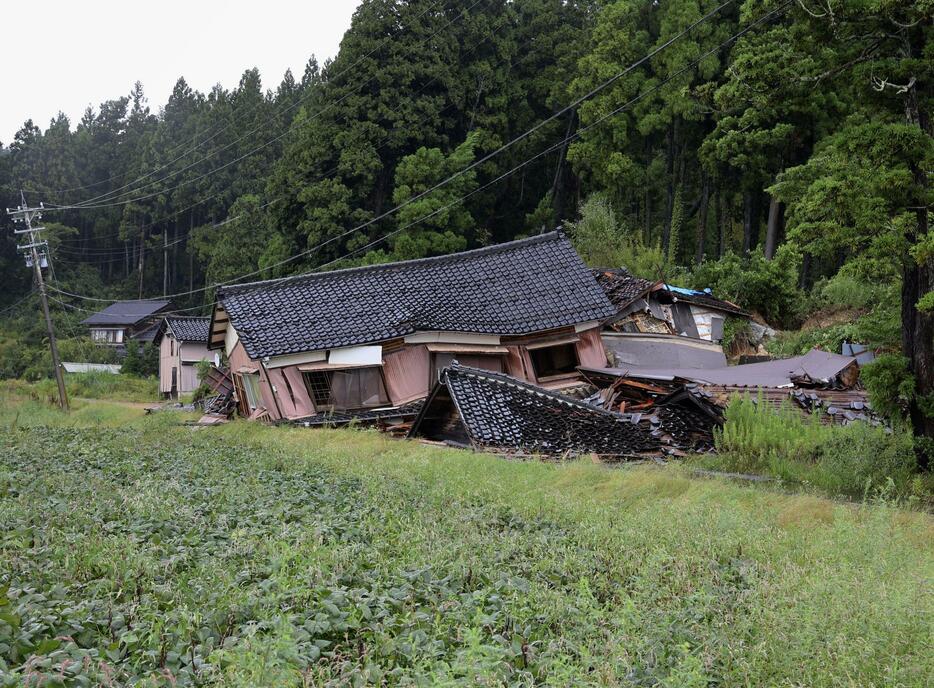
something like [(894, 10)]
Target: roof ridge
[(483, 250)]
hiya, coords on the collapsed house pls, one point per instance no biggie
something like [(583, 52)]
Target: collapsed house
[(373, 340), (124, 321), (656, 322), (491, 411), (183, 343), (817, 381)]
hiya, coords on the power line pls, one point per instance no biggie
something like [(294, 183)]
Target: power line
[(111, 202), (447, 206), (384, 135)]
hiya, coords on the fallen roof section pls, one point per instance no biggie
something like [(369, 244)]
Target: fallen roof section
[(816, 367), (646, 348), (493, 411), (513, 288), (622, 287)]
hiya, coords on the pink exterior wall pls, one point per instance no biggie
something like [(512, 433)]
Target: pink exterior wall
[(166, 361), (181, 359), (590, 351), (406, 374)]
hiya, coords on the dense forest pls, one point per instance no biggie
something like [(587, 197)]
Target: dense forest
[(778, 151)]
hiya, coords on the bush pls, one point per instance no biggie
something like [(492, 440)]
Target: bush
[(840, 460), (767, 287), (603, 242)]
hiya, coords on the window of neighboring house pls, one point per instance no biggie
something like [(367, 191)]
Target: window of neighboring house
[(254, 398), (107, 336), (442, 359), (345, 390), (553, 361), (171, 347)]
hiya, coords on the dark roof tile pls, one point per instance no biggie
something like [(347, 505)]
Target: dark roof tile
[(126, 312), (189, 329), (514, 288), (501, 412)]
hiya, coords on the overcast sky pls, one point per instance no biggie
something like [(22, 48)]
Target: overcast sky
[(67, 54)]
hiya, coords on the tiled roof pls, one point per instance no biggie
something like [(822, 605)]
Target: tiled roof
[(189, 329), (621, 287), (126, 312), (514, 288), (499, 412)]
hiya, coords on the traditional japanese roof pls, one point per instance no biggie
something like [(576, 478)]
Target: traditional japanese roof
[(126, 313), (499, 412), (514, 288), (189, 329), (621, 287)]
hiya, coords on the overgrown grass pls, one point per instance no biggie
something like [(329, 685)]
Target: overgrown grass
[(855, 460), (255, 556), (89, 386)]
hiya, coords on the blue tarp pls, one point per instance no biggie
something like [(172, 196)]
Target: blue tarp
[(687, 292)]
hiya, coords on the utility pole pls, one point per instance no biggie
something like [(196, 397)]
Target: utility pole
[(26, 215)]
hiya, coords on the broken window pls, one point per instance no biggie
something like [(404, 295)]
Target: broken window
[(344, 390), (254, 397), (553, 361)]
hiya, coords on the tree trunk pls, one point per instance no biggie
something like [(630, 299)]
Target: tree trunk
[(702, 222), (918, 280), (142, 252), (721, 224), (774, 226), (670, 187), (750, 221), (165, 261), (558, 185), (804, 281)]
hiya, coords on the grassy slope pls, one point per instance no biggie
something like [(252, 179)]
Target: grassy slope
[(472, 568)]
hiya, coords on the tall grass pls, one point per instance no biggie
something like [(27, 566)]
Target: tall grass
[(93, 385), (851, 460)]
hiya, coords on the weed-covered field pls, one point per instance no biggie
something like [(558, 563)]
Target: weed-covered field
[(136, 551)]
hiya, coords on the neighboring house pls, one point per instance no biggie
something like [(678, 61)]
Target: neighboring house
[(378, 336), (126, 320), (660, 323), (183, 343)]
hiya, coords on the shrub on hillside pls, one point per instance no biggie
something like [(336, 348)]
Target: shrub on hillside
[(767, 287), (604, 242)]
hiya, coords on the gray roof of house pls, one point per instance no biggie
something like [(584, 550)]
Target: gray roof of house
[(190, 328), (126, 312), (815, 365), (514, 288)]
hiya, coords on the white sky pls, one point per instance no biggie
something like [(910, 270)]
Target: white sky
[(68, 54)]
